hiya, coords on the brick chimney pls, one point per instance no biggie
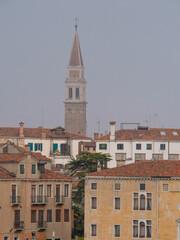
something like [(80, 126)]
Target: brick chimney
[(27, 148), (43, 133), (112, 130), (21, 129), (96, 136)]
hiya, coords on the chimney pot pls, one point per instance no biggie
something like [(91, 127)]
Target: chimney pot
[(21, 129), (96, 136)]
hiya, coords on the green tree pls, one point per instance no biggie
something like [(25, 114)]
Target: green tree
[(85, 163)]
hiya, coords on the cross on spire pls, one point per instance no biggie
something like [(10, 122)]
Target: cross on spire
[(76, 25)]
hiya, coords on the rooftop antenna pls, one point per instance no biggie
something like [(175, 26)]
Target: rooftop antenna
[(98, 122), (76, 21)]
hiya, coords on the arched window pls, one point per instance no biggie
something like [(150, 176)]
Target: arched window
[(142, 202), (142, 230), (70, 92), (77, 93)]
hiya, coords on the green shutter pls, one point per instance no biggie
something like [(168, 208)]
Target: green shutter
[(31, 146), (41, 147), (33, 168), (55, 147), (35, 146), (22, 169)]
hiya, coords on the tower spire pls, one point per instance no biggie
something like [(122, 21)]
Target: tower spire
[(76, 25)]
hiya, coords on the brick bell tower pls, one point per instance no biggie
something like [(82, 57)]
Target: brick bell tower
[(75, 96)]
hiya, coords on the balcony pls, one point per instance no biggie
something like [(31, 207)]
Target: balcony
[(59, 199), (38, 200), (41, 225), (15, 200), (19, 225)]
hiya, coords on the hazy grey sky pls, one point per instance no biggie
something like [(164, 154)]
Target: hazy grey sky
[(131, 52)]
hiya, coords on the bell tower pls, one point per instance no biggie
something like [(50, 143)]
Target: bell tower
[(75, 96)]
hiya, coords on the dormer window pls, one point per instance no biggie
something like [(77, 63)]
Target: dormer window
[(163, 133), (175, 133)]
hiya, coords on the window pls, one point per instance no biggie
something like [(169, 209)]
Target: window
[(103, 146), (77, 93), (66, 190), (162, 146), (66, 215), (58, 215), (16, 237), (55, 147), (21, 168), (135, 228), (175, 133), (117, 230), (120, 146), (149, 201), (14, 194), (138, 146), (142, 229), (38, 147), (33, 169), (31, 146), (163, 133), (33, 216), (70, 93), (149, 146), (93, 186), (33, 193), (142, 202), (6, 237), (135, 201), (17, 218), (49, 215), (117, 186), (142, 186), (93, 230), (41, 168), (93, 202), (165, 187), (117, 203), (58, 193), (49, 190)]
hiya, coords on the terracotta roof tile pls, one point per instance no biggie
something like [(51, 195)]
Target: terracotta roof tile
[(4, 174), (147, 168), (53, 175), (11, 158)]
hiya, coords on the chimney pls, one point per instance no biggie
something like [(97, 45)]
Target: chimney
[(112, 130), (101, 135), (27, 148), (43, 133), (21, 129), (96, 136)]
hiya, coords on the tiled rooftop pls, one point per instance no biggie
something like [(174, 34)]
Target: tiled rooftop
[(147, 168), (151, 134), (53, 175)]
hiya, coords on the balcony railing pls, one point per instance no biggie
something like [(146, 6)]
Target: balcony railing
[(19, 225), (41, 225), (59, 199), (15, 200), (38, 200)]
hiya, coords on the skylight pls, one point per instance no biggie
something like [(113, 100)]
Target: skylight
[(163, 133), (175, 133)]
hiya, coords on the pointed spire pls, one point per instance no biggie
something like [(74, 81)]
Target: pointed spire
[(76, 57)]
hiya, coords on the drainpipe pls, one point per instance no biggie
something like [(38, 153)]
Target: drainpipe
[(168, 150), (157, 209)]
